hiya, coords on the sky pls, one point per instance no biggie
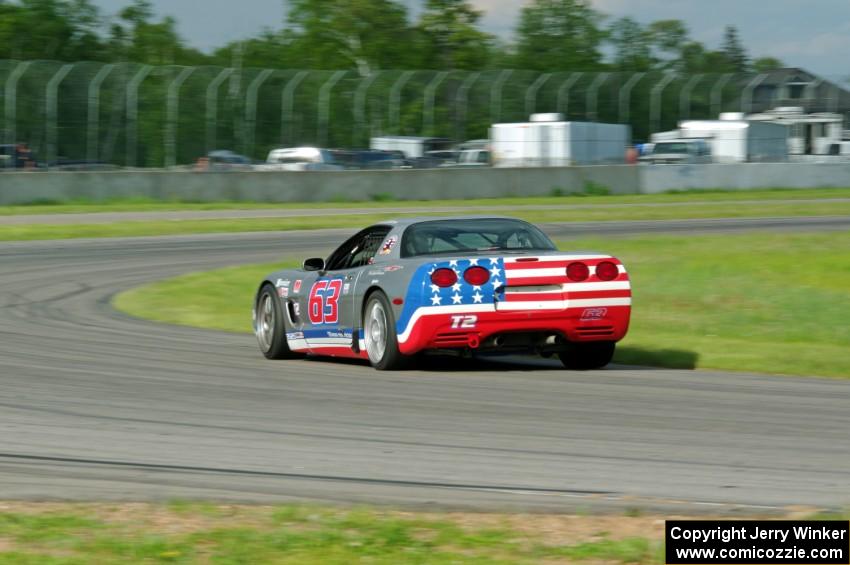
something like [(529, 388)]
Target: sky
[(812, 34)]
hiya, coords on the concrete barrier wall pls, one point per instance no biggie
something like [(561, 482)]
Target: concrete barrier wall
[(22, 188), (19, 188), (743, 176)]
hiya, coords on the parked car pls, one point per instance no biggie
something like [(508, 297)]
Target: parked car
[(679, 151), (300, 159)]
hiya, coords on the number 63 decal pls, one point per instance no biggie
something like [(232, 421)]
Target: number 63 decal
[(464, 322), (324, 301)]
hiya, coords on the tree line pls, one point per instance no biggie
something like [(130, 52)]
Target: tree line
[(368, 35)]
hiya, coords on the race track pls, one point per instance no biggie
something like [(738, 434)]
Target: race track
[(95, 405)]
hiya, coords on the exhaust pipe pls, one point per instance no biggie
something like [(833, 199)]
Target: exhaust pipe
[(499, 341)]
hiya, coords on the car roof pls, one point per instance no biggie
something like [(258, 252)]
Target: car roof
[(406, 222)]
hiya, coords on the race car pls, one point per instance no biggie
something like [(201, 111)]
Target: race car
[(468, 284)]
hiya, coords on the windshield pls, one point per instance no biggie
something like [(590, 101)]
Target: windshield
[(473, 235), (681, 148)]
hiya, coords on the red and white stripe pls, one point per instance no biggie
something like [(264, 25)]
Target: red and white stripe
[(543, 284)]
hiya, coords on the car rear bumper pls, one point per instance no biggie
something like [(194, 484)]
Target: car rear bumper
[(474, 328)]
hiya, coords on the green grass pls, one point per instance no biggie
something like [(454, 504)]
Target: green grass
[(774, 303), (82, 534), (24, 232), (150, 205)]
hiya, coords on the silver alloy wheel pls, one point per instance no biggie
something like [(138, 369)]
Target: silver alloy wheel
[(376, 332), (265, 322)]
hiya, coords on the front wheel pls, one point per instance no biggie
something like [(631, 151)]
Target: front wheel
[(588, 355), (380, 336), (270, 326)]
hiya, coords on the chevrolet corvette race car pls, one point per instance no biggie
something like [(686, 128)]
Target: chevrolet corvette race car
[(484, 284)]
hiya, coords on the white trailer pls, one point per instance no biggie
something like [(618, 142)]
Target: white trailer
[(548, 141), (734, 140)]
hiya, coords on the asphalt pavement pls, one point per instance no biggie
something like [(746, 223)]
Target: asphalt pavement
[(95, 405)]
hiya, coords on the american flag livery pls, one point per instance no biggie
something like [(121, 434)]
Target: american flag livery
[(516, 284)]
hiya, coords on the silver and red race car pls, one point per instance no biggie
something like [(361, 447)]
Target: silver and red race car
[(399, 288)]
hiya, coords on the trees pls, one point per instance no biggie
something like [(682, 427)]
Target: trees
[(734, 54), (50, 29), (764, 64), (450, 38), (632, 45), (339, 34), (136, 37), (556, 35)]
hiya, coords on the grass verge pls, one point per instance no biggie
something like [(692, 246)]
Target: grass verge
[(205, 533), (695, 196), (775, 303), (37, 231)]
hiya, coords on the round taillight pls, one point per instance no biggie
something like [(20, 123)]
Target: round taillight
[(476, 276), (577, 272), (444, 277), (607, 271)]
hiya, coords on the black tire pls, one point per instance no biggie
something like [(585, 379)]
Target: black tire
[(270, 326), (381, 342), (588, 355)]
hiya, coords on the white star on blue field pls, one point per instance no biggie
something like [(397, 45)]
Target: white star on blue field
[(463, 293)]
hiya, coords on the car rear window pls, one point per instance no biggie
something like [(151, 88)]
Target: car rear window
[(473, 235)]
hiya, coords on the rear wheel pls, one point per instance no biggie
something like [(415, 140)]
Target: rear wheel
[(270, 326), (380, 336), (587, 355)]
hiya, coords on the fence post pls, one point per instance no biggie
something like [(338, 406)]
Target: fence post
[(325, 105), (251, 110), (531, 93), (593, 96), (461, 107), (496, 96), (172, 106), (395, 99), (94, 111), (11, 100), (747, 94), (717, 93), (429, 102), (626, 96), (563, 103), (52, 111), (685, 96), (287, 101), (212, 107), (132, 98), (655, 102), (360, 104)]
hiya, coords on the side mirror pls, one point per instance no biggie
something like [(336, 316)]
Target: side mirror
[(314, 264)]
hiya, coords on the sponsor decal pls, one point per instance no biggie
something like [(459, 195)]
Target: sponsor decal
[(594, 313), (346, 287), (343, 334), (283, 291), (464, 322), (388, 245), (281, 283), (296, 307), (296, 288), (375, 273), (393, 268), (295, 335)]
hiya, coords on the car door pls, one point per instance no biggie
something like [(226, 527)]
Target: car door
[(327, 305), (359, 260)]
